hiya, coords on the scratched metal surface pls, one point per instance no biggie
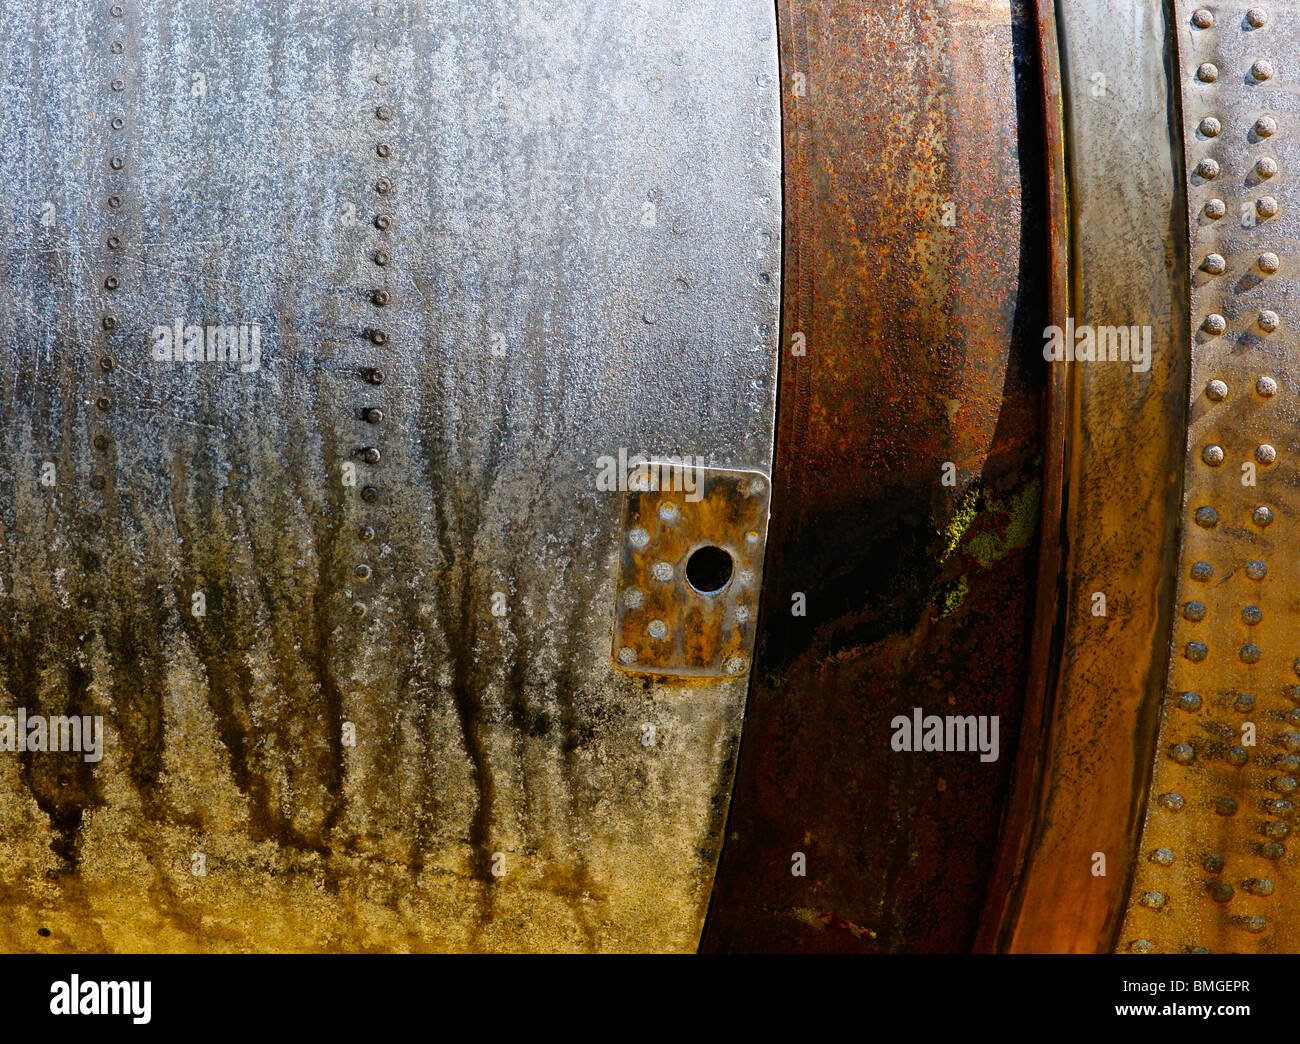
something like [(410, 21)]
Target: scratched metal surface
[(1216, 869), (582, 254)]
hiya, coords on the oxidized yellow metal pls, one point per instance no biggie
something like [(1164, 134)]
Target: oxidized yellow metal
[(1214, 872), (692, 564)]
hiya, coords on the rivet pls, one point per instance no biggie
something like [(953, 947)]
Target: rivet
[(1141, 946), (633, 598), (1268, 262), (116, 85), (1284, 784), (1262, 515), (1202, 571), (370, 455), (638, 537), (1208, 169), (1266, 126), (1252, 614), (109, 322), (381, 257), (383, 221), (1215, 208), (1162, 857), (1256, 570), (115, 47), (1207, 73), (1277, 830), (1221, 892), (1194, 611), (1266, 386), (374, 376), (1257, 886), (369, 494), (1265, 453), (1256, 17), (1225, 806), (88, 601), (1244, 703), (373, 414), (378, 337), (1237, 756), (116, 10), (115, 163), (1249, 653), (1281, 806), (1262, 69), (383, 112), (627, 655), (1206, 517), (1290, 740), (101, 442), (114, 201), (1153, 900), (735, 665), (358, 609), (117, 123), (1266, 206), (1214, 323), (106, 363), (384, 149), (1216, 391), (1182, 753), (1268, 320), (1272, 850), (91, 561), (1214, 264), (93, 523), (362, 572), (1196, 651), (662, 571), (657, 629), (1189, 701), (97, 481), (380, 298), (383, 186), (114, 242), (366, 533), (1212, 455), (112, 283), (1266, 167), (104, 402), (1210, 127), (1213, 864), (1203, 18)]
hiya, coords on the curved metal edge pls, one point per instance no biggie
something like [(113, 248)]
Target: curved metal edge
[(1098, 706)]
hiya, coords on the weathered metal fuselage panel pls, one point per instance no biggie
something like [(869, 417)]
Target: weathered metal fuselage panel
[(1214, 872), (343, 603)]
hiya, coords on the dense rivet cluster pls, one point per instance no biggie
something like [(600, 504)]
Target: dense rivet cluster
[(1222, 758)]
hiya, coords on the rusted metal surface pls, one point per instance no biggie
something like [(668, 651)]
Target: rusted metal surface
[(914, 304), (346, 612), (691, 571), (1123, 453), (1217, 870)]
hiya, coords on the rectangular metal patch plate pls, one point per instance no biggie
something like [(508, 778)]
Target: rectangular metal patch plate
[(691, 567)]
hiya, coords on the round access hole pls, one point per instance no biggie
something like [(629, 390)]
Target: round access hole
[(708, 569)]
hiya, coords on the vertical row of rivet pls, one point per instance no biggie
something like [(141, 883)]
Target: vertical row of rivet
[(380, 299), (1217, 817), (111, 276)]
